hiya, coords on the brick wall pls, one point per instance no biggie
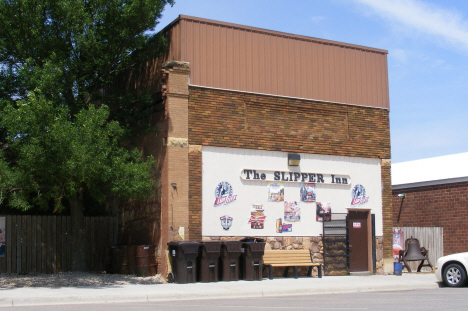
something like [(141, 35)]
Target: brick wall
[(436, 206), (195, 194), (175, 167), (385, 167), (165, 216), (241, 120), (139, 221)]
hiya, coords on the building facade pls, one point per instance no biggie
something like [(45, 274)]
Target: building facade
[(435, 196), (237, 104)]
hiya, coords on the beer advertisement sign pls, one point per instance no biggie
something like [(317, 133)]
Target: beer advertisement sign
[(307, 192), (224, 194), (292, 211), (275, 191), (358, 196), (323, 211), (257, 217)]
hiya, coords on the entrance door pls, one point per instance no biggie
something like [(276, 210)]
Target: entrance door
[(358, 241)]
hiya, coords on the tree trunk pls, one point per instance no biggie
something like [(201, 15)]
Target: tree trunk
[(78, 233)]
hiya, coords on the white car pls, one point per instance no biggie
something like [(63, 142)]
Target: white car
[(451, 269)]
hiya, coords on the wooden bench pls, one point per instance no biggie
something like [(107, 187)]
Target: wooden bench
[(290, 258)]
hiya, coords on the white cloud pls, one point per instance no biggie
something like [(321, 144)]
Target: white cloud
[(444, 24), (409, 59)]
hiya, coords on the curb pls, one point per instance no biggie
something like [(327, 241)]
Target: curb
[(198, 291)]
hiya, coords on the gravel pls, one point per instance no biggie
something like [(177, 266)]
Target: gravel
[(68, 279)]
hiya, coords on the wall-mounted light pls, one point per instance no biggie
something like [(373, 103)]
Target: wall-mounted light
[(294, 159), (402, 196), (174, 186)]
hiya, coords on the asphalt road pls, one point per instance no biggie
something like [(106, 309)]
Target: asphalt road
[(434, 299)]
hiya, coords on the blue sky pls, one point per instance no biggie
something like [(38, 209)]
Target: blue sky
[(427, 43)]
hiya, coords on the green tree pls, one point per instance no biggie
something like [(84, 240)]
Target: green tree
[(73, 50), (58, 59), (59, 159)]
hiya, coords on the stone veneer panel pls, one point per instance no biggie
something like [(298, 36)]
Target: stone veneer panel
[(314, 244)]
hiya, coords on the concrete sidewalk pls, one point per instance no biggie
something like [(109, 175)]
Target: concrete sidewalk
[(161, 292)]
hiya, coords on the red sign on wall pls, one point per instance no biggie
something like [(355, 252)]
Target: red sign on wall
[(356, 225)]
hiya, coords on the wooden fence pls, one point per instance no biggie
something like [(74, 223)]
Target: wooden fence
[(432, 238), (42, 244)]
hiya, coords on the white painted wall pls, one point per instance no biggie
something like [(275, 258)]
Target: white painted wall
[(226, 164)]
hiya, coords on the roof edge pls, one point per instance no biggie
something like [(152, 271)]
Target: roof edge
[(171, 24), (430, 183), (273, 32), (288, 97)]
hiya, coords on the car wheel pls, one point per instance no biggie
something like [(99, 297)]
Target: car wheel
[(454, 275)]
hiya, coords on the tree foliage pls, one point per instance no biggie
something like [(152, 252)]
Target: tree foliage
[(73, 48), (58, 138), (60, 158), (57, 60)]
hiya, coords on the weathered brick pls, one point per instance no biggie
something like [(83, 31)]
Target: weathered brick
[(436, 206)]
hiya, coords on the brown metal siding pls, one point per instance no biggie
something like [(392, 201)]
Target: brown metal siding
[(235, 57), (173, 33)]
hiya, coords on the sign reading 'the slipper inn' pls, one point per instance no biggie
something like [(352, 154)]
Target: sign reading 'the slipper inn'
[(286, 176)]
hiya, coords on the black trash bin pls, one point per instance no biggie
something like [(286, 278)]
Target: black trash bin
[(252, 258), (230, 255), (208, 261), (184, 261)]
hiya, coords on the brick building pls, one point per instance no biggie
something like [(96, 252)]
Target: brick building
[(436, 196), (237, 103)]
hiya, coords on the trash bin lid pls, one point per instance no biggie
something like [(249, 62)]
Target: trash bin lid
[(188, 247), (173, 243), (255, 247), (211, 246), (232, 246)]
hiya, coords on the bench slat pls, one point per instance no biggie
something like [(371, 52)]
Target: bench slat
[(287, 255), (288, 259), (289, 264), (292, 258), (296, 265), (276, 260), (286, 252)]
